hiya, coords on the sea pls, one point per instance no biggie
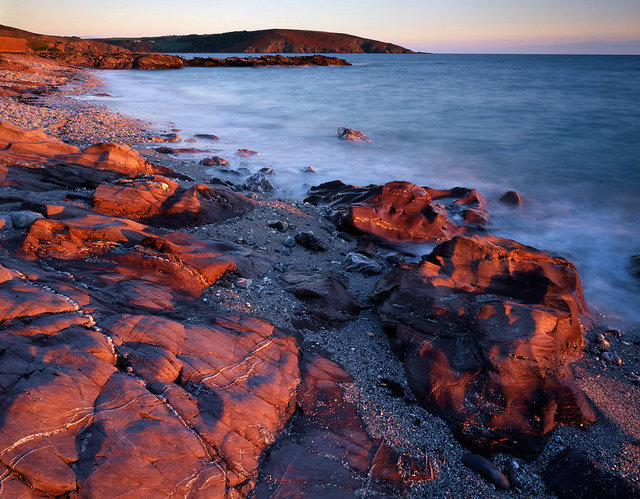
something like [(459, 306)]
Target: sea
[(562, 130)]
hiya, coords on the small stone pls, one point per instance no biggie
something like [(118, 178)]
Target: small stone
[(279, 225), (613, 332), (355, 262), (243, 283), (259, 182), (289, 242), (612, 358), (309, 169), (370, 334), (604, 345), (486, 469), (24, 219), (310, 241), (396, 259), (267, 171)]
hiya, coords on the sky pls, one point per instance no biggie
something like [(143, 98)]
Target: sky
[(453, 26)]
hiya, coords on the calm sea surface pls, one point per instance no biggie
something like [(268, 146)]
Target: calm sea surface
[(564, 131)]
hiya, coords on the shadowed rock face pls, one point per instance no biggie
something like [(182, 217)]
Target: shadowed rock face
[(328, 451), (487, 328), (326, 299), (401, 211)]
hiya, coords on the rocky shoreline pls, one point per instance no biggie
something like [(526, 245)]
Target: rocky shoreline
[(246, 345)]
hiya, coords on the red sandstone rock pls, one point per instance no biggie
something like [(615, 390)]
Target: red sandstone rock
[(73, 421), (487, 329), (214, 161), (512, 197), (161, 201), (328, 451), (400, 211), (35, 161), (245, 153), (131, 266), (122, 60), (351, 135)]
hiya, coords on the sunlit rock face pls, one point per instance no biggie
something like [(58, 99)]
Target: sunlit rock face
[(401, 211), (145, 405), (487, 328), (161, 201), (35, 161)]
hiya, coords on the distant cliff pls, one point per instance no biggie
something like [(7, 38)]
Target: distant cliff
[(263, 41), (20, 41)]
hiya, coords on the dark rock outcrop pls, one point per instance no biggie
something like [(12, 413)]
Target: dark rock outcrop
[(265, 60), (326, 299), (401, 211), (487, 328), (121, 60), (328, 451)]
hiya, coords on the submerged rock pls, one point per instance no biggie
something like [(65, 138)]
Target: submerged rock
[(512, 198), (487, 328), (246, 153), (351, 135), (214, 161)]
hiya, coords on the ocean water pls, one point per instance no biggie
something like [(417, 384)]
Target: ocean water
[(564, 131)]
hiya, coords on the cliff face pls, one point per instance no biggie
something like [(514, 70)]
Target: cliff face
[(20, 41), (263, 41)]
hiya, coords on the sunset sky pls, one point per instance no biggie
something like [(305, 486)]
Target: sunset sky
[(458, 26)]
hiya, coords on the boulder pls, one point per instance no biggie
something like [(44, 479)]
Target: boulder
[(487, 329), (214, 161), (351, 135), (161, 201), (355, 262), (401, 211), (512, 198), (326, 299), (24, 219), (259, 182)]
